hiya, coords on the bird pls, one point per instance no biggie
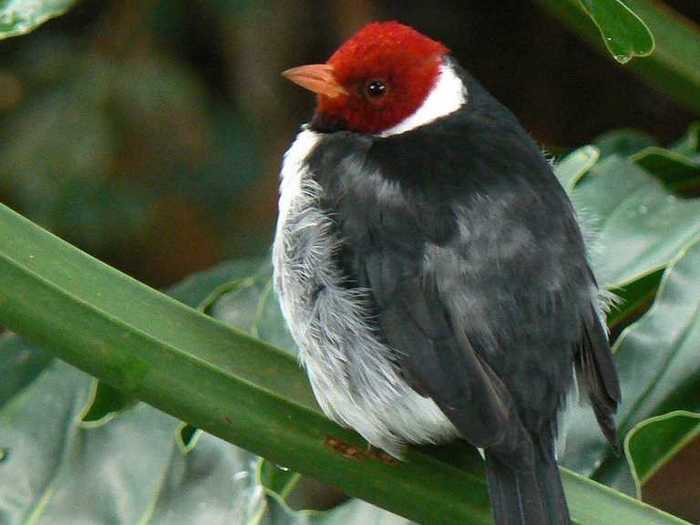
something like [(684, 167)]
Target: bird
[(433, 272)]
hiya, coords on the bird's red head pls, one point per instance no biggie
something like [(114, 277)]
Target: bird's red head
[(378, 78)]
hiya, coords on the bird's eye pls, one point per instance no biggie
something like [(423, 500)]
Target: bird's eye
[(375, 89)]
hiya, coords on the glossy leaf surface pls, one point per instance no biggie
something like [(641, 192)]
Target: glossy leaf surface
[(655, 441), (625, 34), (659, 369), (18, 17), (640, 226), (673, 67)]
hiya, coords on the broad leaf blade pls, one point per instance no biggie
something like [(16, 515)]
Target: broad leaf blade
[(633, 299), (213, 483), (18, 17), (677, 171), (251, 305), (358, 512), (623, 142), (575, 165), (673, 67), (641, 226), (105, 403), (196, 289), (655, 441), (659, 369), (129, 471), (20, 364), (623, 32), (689, 144)]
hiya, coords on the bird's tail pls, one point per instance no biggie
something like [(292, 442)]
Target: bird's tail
[(527, 496)]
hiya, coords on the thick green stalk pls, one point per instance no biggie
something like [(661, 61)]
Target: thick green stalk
[(673, 67), (233, 386)]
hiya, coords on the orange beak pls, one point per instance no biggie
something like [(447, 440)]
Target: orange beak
[(318, 78)]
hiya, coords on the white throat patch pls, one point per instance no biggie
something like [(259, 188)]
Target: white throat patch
[(447, 96)]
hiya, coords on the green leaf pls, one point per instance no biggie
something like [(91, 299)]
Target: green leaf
[(353, 512), (655, 441), (228, 486), (251, 305), (633, 298), (129, 471), (108, 401), (636, 294), (575, 165), (277, 479), (623, 32), (20, 364), (659, 369), (18, 17), (196, 289), (187, 437), (104, 404), (623, 142), (640, 226), (226, 383), (213, 482), (677, 171), (689, 144), (357, 512), (673, 67)]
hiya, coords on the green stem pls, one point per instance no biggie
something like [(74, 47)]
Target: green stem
[(235, 387)]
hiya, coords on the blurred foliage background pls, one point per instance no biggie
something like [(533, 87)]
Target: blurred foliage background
[(149, 133)]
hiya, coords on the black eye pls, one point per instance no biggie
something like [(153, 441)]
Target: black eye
[(375, 88)]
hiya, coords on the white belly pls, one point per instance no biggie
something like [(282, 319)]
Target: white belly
[(352, 373)]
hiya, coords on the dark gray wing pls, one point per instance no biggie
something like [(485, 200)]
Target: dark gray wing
[(476, 269), (433, 359), (382, 250), (596, 371)]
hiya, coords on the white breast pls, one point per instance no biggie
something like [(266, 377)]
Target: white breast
[(351, 372)]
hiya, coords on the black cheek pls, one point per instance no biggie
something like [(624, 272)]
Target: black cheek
[(323, 123)]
